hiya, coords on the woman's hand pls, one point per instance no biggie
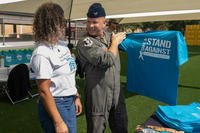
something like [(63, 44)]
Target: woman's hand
[(78, 105), (61, 127)]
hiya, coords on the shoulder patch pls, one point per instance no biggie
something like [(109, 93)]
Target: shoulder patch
[(88, 42)]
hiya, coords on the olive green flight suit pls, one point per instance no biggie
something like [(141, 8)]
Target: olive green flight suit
[(102, 80)]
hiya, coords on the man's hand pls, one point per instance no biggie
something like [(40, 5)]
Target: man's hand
[(115, 41), (118, 38)]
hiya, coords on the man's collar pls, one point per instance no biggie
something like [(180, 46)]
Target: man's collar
[(98, 37)]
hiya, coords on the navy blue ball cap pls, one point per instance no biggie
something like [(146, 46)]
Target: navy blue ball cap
[(96, 10)]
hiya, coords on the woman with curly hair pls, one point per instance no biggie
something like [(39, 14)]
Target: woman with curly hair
[(55, 70)]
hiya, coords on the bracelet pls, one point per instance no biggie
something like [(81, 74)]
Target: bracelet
[(77, 96)]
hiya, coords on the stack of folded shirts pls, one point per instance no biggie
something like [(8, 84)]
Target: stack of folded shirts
[(181, 117)]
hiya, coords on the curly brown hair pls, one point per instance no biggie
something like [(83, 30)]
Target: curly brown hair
[(48, 21)]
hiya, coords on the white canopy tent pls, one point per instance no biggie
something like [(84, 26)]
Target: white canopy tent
[(159, 16), (131, 10)]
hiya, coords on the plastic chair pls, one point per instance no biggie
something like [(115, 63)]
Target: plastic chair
[(18, 84)]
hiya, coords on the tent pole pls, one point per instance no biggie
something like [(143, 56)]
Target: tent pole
[(69, 37), (76, 34), (3, 29)]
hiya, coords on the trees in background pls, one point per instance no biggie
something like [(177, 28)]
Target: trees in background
[(170, 25)]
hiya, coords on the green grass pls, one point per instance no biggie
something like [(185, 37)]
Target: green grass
[(22, 117)]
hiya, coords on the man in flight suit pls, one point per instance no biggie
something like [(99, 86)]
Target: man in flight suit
[(99, 59)]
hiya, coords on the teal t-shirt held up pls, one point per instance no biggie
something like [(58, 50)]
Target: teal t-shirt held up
[(153, 63)]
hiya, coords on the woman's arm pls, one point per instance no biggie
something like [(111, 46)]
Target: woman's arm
[(50, 106)]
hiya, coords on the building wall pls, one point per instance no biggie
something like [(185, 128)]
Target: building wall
[(20, 30), (192, 34), (24, 29)]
